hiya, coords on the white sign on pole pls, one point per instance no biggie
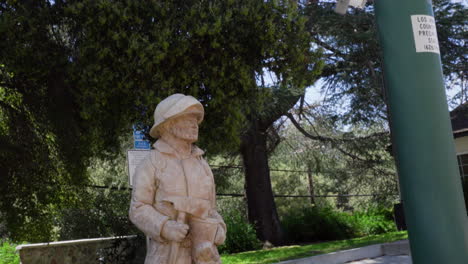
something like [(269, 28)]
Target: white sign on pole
[(134, 158), (358, 3), (342, 5), (425, 34)]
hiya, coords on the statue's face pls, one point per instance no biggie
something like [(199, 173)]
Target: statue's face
[(185, 127)]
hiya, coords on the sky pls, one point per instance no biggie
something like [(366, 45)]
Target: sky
[(313, 94)]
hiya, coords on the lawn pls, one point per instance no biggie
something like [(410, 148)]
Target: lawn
[(8, 256), (294, 252)]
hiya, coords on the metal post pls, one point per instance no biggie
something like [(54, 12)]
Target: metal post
[(310, 177), (422, 135)]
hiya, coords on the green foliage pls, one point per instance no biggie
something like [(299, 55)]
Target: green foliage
[(325, 223), (8, 254), (101, 213), (105, 209), (78, 74), (342, 161), (241, 235), (228, 177), (315, 224), (452, 34), (372, 221), (295, 252), (353, 71)]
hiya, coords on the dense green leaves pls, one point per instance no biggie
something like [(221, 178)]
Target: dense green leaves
[(452, 33), (77, 74), (353, 71)]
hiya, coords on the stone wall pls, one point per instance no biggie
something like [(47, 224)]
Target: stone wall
[(112, 250)]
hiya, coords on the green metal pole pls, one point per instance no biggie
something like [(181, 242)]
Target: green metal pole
[(422, 136)]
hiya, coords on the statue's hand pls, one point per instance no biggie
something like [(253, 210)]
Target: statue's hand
[(174, 231), (220, 236)]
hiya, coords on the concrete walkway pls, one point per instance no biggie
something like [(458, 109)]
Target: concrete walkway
[(402, 259), (388, 253)]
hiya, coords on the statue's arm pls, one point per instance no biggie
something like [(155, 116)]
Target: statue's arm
[(142, 213)]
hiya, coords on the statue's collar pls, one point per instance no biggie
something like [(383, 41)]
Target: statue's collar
[(164, 147)]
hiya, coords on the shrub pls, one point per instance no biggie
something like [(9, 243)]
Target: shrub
[(8, 254), (101, 214), (324, 223), (241, 235), (314, 224), (373, 221)]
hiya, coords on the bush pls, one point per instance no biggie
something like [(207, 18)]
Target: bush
[(8, 254), (241, 235), (372, 222), (315, 224), (324, 223), (100, 214)]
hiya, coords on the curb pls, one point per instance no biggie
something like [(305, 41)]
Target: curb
[(395, 248)]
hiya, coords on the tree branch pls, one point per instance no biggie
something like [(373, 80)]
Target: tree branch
[(332, 141), (326, 45), (301, 106), (7, 106), (284, 102)]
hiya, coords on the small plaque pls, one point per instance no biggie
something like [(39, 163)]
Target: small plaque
[(134, 158), (425, 33), (141, 144), (358, 3)]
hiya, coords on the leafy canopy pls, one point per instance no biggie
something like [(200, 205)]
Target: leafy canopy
[(75, 76)]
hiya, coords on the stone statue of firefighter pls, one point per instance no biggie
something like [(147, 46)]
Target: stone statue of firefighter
[(173, 199)]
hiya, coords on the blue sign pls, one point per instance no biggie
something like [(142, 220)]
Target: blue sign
[(139, 141), (138, 135), (141, 144)]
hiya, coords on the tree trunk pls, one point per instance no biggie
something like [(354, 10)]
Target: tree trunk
[(261, 205), (311, 183)]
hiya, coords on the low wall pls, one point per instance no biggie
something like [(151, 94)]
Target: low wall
[(111, 250)]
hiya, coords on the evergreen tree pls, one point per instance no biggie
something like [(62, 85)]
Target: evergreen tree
[(77, 74), (353, 77)]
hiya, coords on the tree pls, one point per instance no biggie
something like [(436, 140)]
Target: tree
[(353, 77), (77, 74), (339, 160), (39, 149), (357, 155), (452, 34), (353, 68), (290, 72)]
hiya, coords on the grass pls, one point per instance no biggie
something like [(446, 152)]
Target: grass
[(8, 254), (295, 252)]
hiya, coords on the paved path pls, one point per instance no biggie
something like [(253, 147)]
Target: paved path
[(385, 260)]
